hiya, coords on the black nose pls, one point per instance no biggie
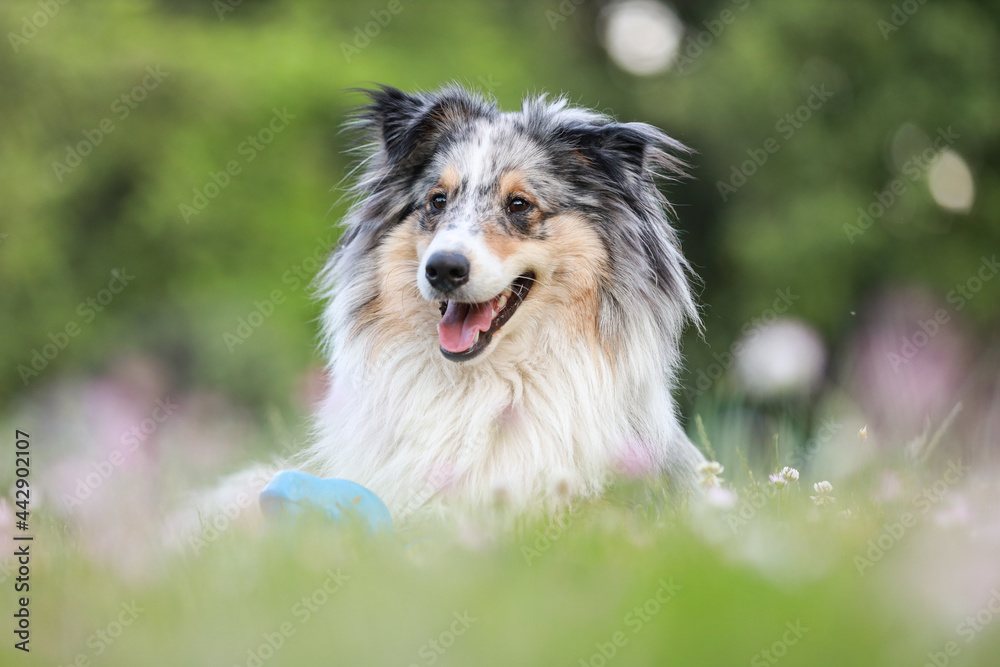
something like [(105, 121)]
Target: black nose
[(447, 270)]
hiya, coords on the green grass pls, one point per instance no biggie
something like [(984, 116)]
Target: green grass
[(730, 589)]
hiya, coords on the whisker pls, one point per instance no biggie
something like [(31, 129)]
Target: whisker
[(534, 280), (392, 274)]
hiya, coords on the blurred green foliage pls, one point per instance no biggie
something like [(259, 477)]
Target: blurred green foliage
[(226, 72), (219, 79)]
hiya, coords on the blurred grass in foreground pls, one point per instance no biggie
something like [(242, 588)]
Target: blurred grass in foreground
[(630, 580)]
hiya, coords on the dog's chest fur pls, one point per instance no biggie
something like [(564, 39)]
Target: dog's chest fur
[(557, 421)]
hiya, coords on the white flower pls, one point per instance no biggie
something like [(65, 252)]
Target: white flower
[(863, 433), (711, 467), (710, 471), (823, 490), (785, 477)]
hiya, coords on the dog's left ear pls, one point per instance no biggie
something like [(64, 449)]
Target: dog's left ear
[(409, 127), (628, 150)]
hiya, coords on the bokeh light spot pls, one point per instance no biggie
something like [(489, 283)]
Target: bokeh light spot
[(642, 37), (950, 181)]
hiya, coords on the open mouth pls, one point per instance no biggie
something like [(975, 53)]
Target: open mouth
[(466, 329)]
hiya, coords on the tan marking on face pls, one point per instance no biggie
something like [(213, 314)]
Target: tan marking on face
[(570, 264), (450, 179), (582, 264), (500, 243), (513, 182), (398, 309)]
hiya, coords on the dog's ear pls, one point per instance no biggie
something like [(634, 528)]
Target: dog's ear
[(408, 127), (627, 150)]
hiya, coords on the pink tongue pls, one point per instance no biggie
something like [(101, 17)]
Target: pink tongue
[(460, 323)]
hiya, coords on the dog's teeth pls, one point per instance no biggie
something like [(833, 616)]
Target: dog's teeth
[(475, 339), (501, 302), (506, 292)]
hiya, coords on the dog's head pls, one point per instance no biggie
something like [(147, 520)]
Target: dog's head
[(487, 226)]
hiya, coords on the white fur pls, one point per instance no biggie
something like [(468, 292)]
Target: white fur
[(540, 412)]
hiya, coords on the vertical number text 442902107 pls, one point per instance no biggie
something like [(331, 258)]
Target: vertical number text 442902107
[(22, 541)]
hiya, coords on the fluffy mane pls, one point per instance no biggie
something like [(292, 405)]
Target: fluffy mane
[(551, 412)]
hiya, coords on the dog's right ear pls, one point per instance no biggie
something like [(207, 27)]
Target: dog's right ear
[(408, 128), (625, 151)]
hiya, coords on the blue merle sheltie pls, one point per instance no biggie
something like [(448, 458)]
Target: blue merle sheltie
[(504, 310)]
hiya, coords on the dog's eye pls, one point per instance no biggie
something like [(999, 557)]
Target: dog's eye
[(439, 201), (518, 205)]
